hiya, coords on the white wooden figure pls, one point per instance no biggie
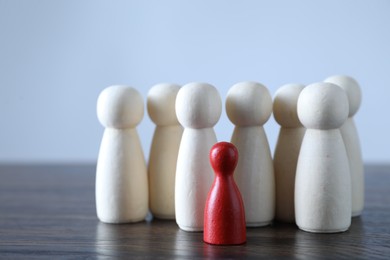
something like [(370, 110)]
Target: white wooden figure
[(198, 109), (351, 141), (249, 106), (121, 175), (287, 149), (164, 149), (322, 182)]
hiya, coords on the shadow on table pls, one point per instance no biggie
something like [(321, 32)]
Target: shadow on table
[(334, 245), (160, 239)]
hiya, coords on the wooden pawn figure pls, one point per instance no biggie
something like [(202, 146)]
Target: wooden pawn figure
[(198, 108), (121, 175), (287, 149), (249, 106), (322, 182), (164, 149), (351, 141), (224, 214)]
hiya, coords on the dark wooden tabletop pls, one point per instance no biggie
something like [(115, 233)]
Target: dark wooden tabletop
[(48, 211)]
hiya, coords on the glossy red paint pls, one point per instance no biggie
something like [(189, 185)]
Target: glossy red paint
[(224, 215)]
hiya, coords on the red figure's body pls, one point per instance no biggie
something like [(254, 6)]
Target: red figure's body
[(224, 215)]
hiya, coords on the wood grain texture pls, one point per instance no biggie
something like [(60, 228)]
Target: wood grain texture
[(48, 212)]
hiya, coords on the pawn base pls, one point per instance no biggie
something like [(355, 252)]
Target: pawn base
[(259, 224), (224, 243), (313, 230), (190, 229), (357, 213)]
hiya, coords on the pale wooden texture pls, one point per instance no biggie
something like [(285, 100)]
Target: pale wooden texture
[(351, 139), (322, 183), (285, 165), (48, 212), (194, 177), (164, 149), (287, 149), (254, 174), (352, 145), (121, 175), (322, 194), (198, 108), (162, 170), (249, 106)]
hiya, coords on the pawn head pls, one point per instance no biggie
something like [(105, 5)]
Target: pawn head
[(285, 105), (161, 104), (223, 158), (248, 104), (198, 105), (120, 107), (322, 106), (352, 89)]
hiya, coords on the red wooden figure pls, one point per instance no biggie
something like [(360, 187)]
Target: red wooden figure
[(224, 215)]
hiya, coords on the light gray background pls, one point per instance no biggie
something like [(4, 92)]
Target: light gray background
[(56, 57)]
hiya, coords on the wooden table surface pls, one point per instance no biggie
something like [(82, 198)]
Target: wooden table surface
[(48, 211)]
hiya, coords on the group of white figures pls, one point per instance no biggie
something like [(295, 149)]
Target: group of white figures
[(315, 178)]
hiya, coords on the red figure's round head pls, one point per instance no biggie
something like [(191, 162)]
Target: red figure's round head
[(223, 158)]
